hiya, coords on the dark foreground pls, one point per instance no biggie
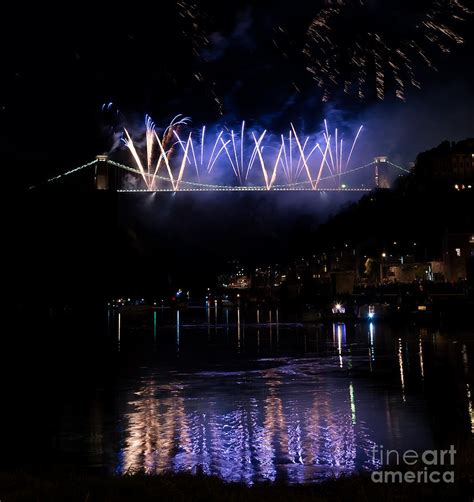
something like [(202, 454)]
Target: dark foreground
[(60, 485), (16, 487)]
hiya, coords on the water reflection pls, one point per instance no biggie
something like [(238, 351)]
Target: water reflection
[(293, 401), (402, 370), (420, 352), (238, 329), (154, 331), (371, 345), (353, 408), (255, 426), (470, 408), (177, 331), (119, 330), (339, 334)]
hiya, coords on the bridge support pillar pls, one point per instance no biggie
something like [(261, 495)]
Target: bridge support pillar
[(378, 161), (102, 179)]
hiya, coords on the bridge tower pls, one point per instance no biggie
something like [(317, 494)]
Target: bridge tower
[(104, 178), (380, 183)]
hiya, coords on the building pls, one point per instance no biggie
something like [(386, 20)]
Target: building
[(407, 273), (458, 250), (449, 162)]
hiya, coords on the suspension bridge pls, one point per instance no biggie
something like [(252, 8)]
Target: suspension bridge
[(107, 174)]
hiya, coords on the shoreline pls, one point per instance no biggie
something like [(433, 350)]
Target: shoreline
[(74, 486)]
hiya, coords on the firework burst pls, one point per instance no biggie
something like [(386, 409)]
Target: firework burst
[(359, 44), (192, 29), (292, 159)]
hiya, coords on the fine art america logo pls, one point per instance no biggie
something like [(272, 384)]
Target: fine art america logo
[(430, 466)]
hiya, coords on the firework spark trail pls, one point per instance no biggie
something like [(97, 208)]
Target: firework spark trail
[(326, 160), (130, 145), (254, 154), (340, 163), (273, 178), (236, 153), (155, 172), (185, 152), (178, 120), (169, 132), (218, 154), (290, 149), (299, 166), (379, 74), (211, 163), (308, 157), (149, 135), (183, 163), (308, 172), (323, 160), (203, 134), (284, 161), (164, 155), (242, 145), (327, 137), (262, 163), (353, 145), (195, 161), (269, 182), (235, 168)]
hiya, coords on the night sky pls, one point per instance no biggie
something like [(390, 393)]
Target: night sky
[(224, 62)]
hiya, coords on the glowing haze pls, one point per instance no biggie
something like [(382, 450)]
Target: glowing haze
[(253, 158)]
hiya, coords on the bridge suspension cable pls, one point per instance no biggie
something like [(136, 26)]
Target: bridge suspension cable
[(63, 175), (398, 167), (199, 186)]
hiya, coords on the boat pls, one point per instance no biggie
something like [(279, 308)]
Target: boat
[(373, 311), (340, 313)]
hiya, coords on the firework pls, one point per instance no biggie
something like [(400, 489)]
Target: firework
[(289, 159), (357, 44), (192, 29), (166, 147)]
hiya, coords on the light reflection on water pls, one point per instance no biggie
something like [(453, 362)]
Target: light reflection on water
[(298, 419), (297, 402), (291, 421)]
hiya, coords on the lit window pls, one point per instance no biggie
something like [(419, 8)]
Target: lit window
[(458, 252)]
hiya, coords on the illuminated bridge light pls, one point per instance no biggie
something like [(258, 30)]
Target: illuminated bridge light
[(241, 189), (170, 184)]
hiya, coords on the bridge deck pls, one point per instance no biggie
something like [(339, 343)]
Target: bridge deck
[(245, 189)]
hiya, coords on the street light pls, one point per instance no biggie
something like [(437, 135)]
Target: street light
[(384, 255)]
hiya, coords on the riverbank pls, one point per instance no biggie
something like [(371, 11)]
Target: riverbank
[(23, 487)]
